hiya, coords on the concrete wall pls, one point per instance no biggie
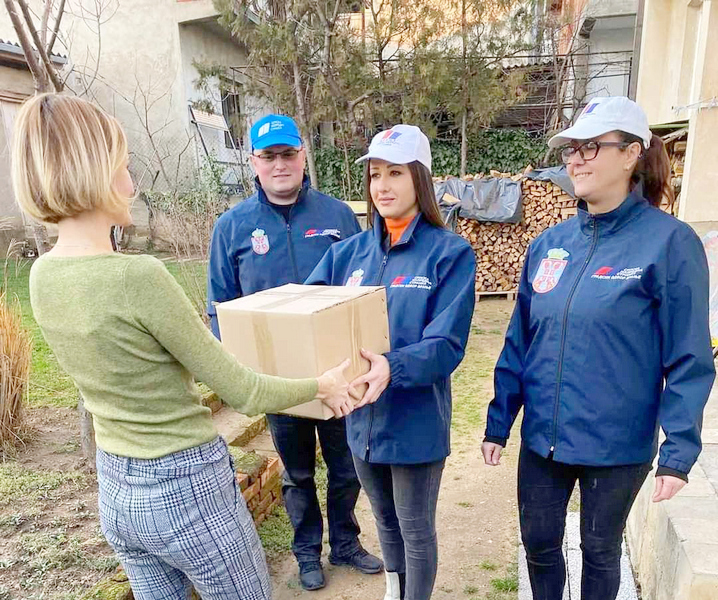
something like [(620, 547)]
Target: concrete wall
[(609, 63), (609, 8), (678, 74), (200, 42), (8, 207)]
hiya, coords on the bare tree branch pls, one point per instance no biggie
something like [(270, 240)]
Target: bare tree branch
[(56, 27), (36, 69), (49, 67), (43, 22)]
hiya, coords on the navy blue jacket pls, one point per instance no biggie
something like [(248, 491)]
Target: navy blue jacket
[(429, 279), (255, 248), (609, 339)]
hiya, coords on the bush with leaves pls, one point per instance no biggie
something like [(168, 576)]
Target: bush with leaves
[(332, 173), (507, 150)]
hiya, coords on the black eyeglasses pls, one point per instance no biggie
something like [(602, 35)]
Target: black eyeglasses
[(269, 157), (588, 150)]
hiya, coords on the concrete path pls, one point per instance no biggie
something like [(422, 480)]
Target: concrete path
[(572, 552)]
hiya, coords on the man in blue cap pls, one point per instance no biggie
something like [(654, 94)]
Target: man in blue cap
[(274, 237)]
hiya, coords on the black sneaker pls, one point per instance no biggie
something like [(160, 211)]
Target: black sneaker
[(311, 575), (361, 560)]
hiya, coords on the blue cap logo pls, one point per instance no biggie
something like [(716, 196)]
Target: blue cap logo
[(275, 130)]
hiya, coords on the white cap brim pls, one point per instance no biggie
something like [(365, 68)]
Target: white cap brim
[(390, 155), (586, 130)]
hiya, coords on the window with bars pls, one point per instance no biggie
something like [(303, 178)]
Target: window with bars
[(233, 114)]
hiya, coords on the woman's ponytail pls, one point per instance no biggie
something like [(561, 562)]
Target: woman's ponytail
[(654, 170)]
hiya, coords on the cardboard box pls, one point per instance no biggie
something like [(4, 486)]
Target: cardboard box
[(303, 330)]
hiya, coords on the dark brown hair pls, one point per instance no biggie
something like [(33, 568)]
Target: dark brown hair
[(653, 169), (425, 196)]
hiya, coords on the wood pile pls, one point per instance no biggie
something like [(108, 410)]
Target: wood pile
[(500, 247)]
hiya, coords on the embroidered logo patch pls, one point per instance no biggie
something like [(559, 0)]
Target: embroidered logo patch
[(550, 270), (622, 275), (603, 271), (356, 278), (311, 233), (411, 281), (260, 242)]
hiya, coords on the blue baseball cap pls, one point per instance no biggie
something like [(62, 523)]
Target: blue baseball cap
[(275, 130)]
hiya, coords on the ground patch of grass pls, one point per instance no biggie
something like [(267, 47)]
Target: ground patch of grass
[(276, 533), (509, 582), (45, 554), (26, 486), (469, 385)]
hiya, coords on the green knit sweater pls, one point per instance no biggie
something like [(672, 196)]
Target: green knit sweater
[(123, 329)]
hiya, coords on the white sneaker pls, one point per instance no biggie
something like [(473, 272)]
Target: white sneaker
[(393, 588)]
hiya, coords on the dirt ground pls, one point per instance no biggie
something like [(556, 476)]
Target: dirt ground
[(50, 541), (51, 547), (477, 515)]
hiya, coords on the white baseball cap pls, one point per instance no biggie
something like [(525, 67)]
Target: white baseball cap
[(604, 114), (400, 145)]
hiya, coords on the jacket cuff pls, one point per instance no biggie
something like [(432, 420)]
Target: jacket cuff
[(496, 440), (672, 472), (396, 369)]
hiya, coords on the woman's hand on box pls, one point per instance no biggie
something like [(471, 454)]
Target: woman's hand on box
[(377, 378), (333, 390)]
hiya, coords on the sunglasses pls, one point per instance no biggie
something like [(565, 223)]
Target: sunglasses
[(588, 150), (270, 157)]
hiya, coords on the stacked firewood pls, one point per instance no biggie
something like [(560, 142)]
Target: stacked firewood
[(500, 247)]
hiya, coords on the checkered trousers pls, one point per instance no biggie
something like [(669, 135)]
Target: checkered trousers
[(180, 520)]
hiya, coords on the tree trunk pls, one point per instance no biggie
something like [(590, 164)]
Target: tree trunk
[(464, 142), (304, 122), (87, 433), (464, 91), (311, 163)]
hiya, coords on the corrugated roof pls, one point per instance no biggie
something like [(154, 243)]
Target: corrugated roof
[(15, 48)]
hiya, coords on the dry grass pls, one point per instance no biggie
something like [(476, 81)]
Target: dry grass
[(15, 358)]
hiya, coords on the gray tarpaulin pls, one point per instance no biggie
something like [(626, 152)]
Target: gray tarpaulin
[(497, 200), (492, 199), (557, 175)]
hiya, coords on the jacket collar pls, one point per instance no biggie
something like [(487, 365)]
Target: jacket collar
[(380, 229), (611, 222), (263, 196)]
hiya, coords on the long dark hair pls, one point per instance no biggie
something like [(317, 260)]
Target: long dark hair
[(653, 169), (425, 196)]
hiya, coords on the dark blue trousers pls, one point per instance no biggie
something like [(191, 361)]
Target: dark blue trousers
[(296, 441)]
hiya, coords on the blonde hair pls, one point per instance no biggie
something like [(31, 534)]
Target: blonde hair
[(65, 155)]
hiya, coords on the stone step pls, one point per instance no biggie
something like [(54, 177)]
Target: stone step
[(238, 429)]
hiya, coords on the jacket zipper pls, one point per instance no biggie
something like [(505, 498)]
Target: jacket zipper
[(371, 407), (291, 247), (594, 225)]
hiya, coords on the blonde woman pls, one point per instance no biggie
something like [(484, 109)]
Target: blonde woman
[(129, 337)]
